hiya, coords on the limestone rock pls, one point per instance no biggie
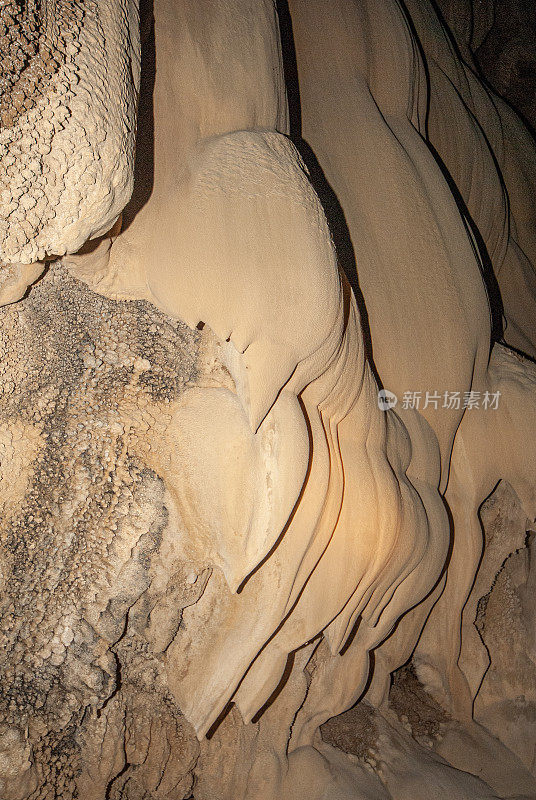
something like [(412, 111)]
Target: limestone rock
[(248, 427)]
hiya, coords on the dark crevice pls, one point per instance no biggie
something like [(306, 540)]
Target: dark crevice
[(336, 219), (144, 161)]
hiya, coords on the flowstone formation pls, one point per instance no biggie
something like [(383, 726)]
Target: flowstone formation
[(267, 470)]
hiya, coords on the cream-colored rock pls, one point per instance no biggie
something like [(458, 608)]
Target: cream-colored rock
[(339, 102), (251, 532), (490, 446), (494, 173), (70, 74), (16, 278), (238, 214), (362, 122)]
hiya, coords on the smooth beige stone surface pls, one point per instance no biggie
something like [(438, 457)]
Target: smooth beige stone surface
[(364, 115)]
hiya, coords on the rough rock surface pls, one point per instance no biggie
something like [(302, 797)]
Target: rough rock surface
[(67, 122), (210, 530), (506, 702), (90, 584), (507, 55)]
